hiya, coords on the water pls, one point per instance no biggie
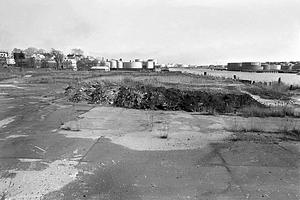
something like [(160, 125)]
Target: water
[(290, 79)]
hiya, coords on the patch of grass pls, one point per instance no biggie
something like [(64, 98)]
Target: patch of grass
[(288, 128), (277, 111), (294, 133), (269, 91), (41, 80)]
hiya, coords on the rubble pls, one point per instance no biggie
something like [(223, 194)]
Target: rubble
[(141, 96)]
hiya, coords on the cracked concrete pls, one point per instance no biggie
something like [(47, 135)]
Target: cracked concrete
[(53, 164)]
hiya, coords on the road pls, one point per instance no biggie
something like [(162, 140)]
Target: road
[(37, 161)]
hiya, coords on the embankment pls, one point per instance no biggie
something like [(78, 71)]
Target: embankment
[(141, 96)]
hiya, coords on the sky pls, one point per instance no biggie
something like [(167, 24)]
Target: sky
[(172, 31)]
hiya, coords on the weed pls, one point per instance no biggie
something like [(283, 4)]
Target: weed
[(269, 91), (288, 127), (276, 111)]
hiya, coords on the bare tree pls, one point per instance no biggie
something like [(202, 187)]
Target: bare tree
[(58, 57), (77, 51), (41, 51), (30, 51), (16, 50)]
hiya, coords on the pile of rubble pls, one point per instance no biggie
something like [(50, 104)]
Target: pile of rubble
[(141, 96)]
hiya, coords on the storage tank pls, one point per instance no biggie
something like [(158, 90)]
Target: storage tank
[(266, 67), (119, 64), (136, 65), (251, 66), (296, 67), (133, 65), (126, 65), (113, 64), (275, 67), (107, 64), (286, 68), (234, 66)]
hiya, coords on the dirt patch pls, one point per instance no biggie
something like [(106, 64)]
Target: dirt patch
[(139, 96), (35, 184), (142, 130)]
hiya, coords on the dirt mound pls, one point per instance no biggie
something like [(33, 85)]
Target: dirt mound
[(159, 98)]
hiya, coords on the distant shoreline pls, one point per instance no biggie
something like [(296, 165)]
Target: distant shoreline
[(287, 78)]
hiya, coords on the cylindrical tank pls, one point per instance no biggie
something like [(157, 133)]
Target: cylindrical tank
[(296, 67), (113, 64), (275, 67), (234, 66), (136, 65), (120, 64), (107, 64), (251, 66), (133, 65), (266, 67), (286, 68), (126, 65)]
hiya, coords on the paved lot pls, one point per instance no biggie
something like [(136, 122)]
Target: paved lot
[(39, 161)]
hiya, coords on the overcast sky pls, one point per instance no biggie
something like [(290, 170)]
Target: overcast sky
[(186, 31)]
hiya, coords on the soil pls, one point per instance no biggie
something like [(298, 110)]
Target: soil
[(160, 98)]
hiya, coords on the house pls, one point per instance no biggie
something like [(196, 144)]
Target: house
[(3, 58), (71, 61)]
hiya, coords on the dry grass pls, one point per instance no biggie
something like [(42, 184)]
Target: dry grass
[(288, 127), (277, 111), (273, 91)]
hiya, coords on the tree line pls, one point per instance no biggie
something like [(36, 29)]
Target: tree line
[(57, 55)]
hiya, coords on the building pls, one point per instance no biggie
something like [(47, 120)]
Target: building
[(3, 58), (3, 54), (70, 62), (149, 64), (100, 68)]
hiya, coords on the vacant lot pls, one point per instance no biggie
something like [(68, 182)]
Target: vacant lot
[(51, 148)]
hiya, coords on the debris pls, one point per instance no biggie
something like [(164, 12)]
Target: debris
[(140, 96), (39, 148)]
